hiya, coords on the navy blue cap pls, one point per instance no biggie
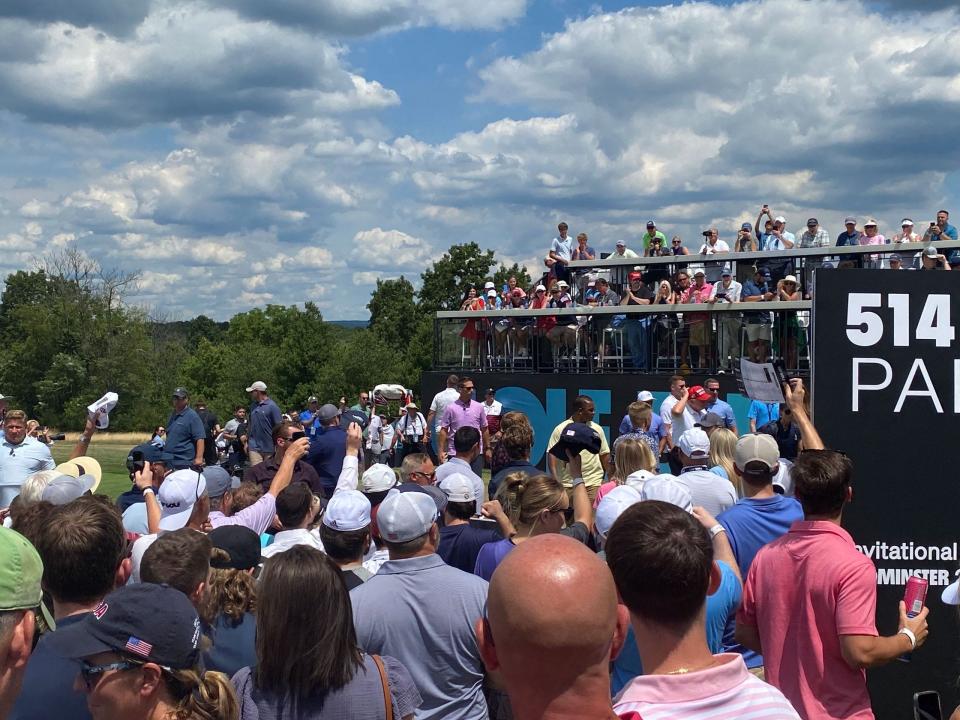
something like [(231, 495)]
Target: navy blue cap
[(354, 416), (218, 480), (241, 543), (576, 437), (147, 622), (151, 454)]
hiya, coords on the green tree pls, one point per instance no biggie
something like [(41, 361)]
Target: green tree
[(393, 312), (445, 282), (504, 273)]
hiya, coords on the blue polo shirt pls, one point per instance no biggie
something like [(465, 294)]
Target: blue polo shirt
[(763, 413), (845, 238), (48, 684), (263, 416), (183, 430), (751, 289), (326, 453), (656, 426), (751, 524), (723, 409)]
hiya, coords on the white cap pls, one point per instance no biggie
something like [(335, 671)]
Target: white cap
[(100, 410), (491, 293), (458, 488), (951, 594), (637, 479), (488, 285), (694, 443), (538, 288), (65, 488), (668, 489), (780, 219), (756, 447), (258, 385), (612, 506), (621, 243), (377, 478), (562, 284), (406, 516), (644, 396), (347, 510), (177, 495)]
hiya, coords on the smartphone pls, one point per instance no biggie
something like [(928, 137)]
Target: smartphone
[(484, 523), (297, 435), (933, 224), (926, 706)]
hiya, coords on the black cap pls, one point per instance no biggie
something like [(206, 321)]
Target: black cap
[(577, 437), (181, 393), (241, 543), (152, 623), (354, 416), (491, 391), (812, 221)]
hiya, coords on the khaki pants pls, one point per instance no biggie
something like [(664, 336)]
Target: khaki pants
[(592, 491), (256, 458)]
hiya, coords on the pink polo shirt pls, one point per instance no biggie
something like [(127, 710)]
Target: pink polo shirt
[(457, 415), (804, 590), (723, 692)]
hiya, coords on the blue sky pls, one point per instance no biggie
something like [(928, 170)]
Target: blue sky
[(238, 153)]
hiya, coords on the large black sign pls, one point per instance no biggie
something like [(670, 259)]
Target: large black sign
[(886, 391)]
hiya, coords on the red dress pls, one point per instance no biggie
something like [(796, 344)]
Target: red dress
[(471, 331)]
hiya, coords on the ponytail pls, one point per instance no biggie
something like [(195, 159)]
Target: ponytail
[(207, 696), (524, 496)]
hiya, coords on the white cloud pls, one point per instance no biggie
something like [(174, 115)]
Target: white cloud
[(378, 248)]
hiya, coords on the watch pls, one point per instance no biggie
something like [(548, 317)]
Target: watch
[(910, 636), (577, 481), (149, 489), (716, 530)]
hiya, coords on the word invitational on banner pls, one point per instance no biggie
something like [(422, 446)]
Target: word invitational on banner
[(886, 391)]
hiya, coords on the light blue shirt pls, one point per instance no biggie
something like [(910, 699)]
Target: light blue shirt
[(723, 409), (19, 461), (456, 465), (563, 249), (421, 611)]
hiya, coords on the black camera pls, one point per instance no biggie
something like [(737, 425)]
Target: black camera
[(58, 436), (135, 462)]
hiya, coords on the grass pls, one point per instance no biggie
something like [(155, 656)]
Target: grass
[(111, 452)]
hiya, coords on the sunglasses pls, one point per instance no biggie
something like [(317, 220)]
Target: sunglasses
[(431, 476), (91, 673)]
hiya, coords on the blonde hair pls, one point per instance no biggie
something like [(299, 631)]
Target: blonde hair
[(524, 497), (206, 696), (723, 444), (632, 455), (229, 591), (640, 414)]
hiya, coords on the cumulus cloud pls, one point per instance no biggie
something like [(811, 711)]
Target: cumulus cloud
[(182, 62), (367, 16), (115, 16), (389, 249)]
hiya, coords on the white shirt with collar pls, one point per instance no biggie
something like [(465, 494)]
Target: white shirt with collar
[(286, 539), (734, 291), (495, 408)]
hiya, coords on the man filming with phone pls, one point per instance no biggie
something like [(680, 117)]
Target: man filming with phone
[(284, 434)]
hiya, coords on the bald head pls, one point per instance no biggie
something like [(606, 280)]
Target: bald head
[(552, 598)]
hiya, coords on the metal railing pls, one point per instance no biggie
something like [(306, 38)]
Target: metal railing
[(696, 337)]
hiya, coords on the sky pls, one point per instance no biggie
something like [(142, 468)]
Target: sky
[(242, 152)]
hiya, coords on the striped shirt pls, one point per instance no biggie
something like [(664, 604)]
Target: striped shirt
[(722, 692)]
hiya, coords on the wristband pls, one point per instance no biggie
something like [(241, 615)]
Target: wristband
[(148, 489), (716, 530), (577, 481), (84, 438), (910, 636)]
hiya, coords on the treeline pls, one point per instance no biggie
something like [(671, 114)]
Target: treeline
[(69, 333)]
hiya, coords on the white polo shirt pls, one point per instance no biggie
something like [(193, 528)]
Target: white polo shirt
[(678, 424), (19, 461)]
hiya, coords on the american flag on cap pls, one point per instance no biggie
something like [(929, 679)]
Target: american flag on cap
[(138, 647)]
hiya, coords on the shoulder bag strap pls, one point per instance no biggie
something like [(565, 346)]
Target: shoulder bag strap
[(386, 686)]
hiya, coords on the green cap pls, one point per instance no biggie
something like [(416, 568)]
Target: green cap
[(20, 572)]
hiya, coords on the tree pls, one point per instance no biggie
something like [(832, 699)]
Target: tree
[(393, 312), (444, 283), (504, 273)]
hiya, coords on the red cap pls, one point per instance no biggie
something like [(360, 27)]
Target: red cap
[(698, 393), (634, 276)]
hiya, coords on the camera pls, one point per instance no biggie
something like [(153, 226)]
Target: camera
[(135, 462), (297, 435), (58, 436)]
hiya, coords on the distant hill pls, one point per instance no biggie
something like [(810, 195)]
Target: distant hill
[(350, 323)]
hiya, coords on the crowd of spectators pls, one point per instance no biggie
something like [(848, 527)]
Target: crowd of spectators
[(699, 340), (321, 583)]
